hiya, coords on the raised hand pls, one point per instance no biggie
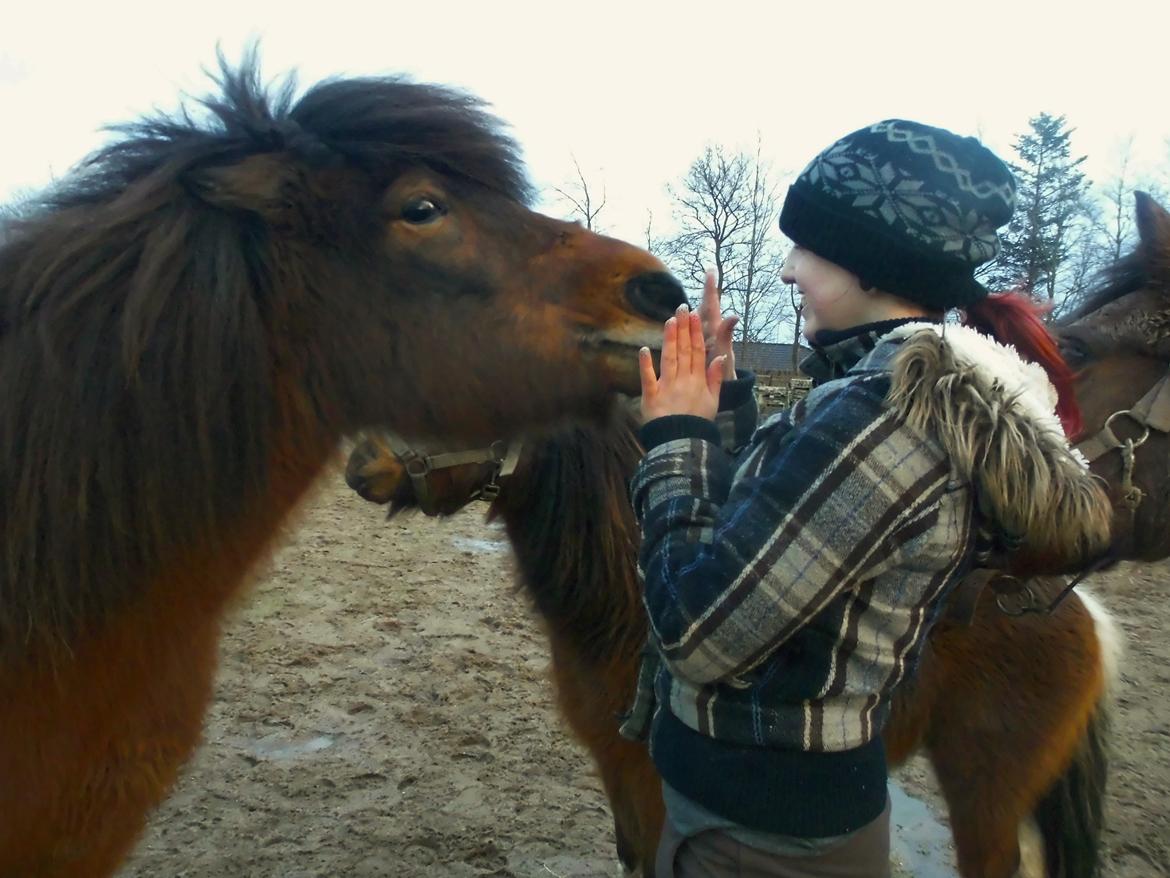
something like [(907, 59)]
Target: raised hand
[(717, 330), (688, 385)]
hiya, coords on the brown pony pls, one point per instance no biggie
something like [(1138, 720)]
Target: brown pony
[(189, 324), (1010, 711), (1119, 342)]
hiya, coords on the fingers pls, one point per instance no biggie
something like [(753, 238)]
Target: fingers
[(709, 309), (726, 334), (685, 383), (646, 373), (682, 324), (715, 376), (726, 330), (698, 346), (669, 361)]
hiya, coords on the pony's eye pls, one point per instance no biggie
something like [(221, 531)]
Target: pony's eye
[(421, 210), (1074, 351)]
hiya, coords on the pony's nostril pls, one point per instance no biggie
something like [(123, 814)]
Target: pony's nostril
[(355, 480), (355, 475), (655, 294)]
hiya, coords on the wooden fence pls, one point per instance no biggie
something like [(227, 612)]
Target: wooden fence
[(779, 390)]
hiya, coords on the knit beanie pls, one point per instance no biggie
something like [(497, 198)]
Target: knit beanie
[(910, 209)]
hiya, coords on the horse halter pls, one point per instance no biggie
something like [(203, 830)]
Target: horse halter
[(503, 456), (1016, 597), (1151, 412)]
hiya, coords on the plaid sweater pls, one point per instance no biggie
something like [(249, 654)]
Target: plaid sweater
[(790, 591)]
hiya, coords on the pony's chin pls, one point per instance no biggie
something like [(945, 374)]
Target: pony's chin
[(617, 356), (619, 365)]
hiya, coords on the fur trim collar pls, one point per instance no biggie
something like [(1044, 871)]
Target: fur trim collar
[(994, 414)]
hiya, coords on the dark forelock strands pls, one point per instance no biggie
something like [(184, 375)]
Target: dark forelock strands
[(383, 122), (138, 403), (376, 123)]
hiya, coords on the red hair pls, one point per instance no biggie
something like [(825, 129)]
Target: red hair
[(1017, 319)]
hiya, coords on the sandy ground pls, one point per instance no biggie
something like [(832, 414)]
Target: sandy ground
[(383, 710)]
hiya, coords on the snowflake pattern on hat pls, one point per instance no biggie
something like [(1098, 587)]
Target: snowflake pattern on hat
[(907, 207)]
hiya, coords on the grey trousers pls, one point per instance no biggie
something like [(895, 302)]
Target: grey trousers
[(714, 854)]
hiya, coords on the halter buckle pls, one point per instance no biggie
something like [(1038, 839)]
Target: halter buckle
[(417, 466), (1018, 602), (498, 451), (1108, 429)]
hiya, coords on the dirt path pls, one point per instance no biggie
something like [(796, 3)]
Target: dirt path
[(383, 710)]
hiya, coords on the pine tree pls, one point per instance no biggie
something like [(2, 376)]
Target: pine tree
[(1050, 204)]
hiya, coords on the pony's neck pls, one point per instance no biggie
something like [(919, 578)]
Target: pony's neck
[(575, 539)]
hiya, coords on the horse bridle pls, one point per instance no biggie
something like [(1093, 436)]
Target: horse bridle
[(503, 456), (1150, 413)]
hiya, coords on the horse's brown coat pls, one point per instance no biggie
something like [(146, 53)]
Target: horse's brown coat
[(186, 330)]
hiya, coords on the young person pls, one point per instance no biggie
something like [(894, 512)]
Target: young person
[(790, 589)]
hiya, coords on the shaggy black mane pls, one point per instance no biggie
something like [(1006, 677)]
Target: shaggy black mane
[(569, 517), (377, 123)]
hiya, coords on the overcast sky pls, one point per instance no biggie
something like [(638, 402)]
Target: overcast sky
[(633, 90)]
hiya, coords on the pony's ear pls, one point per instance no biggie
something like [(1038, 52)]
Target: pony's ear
[(265, 184), (1153, 223)]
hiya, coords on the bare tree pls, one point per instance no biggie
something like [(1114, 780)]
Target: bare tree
[(1107, 232), (1115, 222), (725, 209), (1088, 252), (798, 313), (653, 245), (582, 199), (758, 286)]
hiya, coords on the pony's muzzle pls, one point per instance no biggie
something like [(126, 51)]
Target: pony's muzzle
[(655, 294)]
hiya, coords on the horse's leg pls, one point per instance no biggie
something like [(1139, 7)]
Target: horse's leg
[(909, 715), (1012, 700), (89, 745), (969, 768), (626, 850), (635, 789), (590, 700), (985, 831)]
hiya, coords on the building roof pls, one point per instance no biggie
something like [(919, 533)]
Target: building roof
[(767, 356)]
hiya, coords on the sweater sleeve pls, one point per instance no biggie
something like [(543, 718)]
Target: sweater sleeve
[(738, 412), (734, 566)]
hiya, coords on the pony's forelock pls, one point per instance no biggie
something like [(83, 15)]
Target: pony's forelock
[(376, 123)]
